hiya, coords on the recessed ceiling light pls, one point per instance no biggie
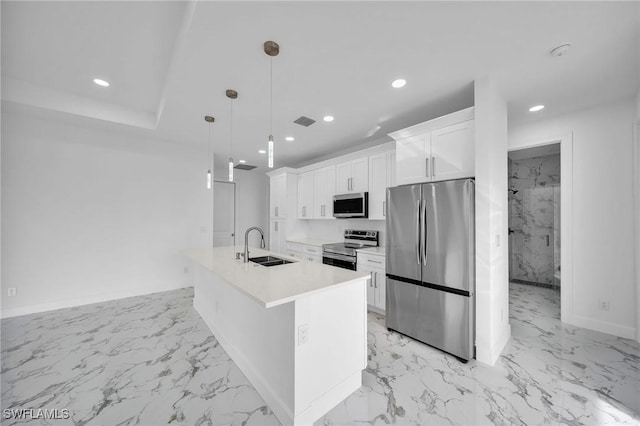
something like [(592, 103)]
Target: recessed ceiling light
[(536, 108), (560, 50), (101, 82), (289, 138), (242, 161), (262, 151), (328, 118), (399, 83)]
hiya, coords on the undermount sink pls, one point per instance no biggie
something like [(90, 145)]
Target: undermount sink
[(269, 260)]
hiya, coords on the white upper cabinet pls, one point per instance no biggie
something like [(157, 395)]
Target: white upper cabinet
[(439, 149), (343, 177), (352, 176), (381, 170), (305, 195), (453, 152), (324, 188), (412, 158), (278, 196)]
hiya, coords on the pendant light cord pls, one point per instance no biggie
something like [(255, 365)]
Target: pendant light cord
[(231, 138), (209, 156), (271, 95)]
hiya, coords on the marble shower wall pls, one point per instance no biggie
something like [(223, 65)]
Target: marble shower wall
[(535, 240)]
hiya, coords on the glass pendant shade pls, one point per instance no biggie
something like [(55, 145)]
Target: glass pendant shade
[(209, 179), (270, 151), (230, 169)]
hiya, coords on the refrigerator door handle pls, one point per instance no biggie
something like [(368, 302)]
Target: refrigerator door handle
[(418, 232), (425, 234)]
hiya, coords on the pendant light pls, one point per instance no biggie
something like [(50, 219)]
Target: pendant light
[(231, 94), (271, 48), (209, 119)]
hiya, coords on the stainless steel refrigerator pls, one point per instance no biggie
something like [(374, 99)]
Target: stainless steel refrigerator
[(430, 257)]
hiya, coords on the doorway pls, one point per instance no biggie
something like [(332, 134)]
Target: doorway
[(534, 209), (534, 216), (224, 213)]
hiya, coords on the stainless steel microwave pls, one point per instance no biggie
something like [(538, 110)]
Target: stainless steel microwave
[(351, 205)]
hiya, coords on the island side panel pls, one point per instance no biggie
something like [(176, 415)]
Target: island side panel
[(328, 367), (259, 340)]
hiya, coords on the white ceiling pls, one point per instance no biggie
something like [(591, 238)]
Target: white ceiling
[(169, 64)]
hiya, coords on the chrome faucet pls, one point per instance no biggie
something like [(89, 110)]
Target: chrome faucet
[(246, 241)]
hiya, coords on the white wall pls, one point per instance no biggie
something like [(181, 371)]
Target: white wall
[(252, 203), (492, 285), (636, 192), (603, 211), (91, 214)]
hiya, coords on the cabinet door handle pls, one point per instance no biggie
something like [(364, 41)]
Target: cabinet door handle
[(371, 280), (426, 167), (547, 240), (375, 280), (275, 224), (433, 166), (373, 261), (304, 211), (384, 208), (276, 212)]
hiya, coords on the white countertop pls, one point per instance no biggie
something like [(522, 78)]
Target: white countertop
[(311, 241), (372, 250), (274, 285)]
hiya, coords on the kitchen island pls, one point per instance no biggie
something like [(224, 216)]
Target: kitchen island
[(297, 331)]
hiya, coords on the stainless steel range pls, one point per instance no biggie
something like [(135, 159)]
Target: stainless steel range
[(343, 255)]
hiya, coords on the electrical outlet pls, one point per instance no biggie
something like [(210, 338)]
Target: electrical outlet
[(497, 240), (303, 334), (12, 291), (604, 305)]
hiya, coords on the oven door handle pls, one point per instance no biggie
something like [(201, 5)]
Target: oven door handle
[(350, 259)]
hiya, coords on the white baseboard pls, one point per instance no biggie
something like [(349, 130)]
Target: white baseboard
[(602, 326), (497, 346), (279, 408), (86, 300)]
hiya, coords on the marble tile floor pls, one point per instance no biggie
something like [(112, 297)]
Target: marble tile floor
[(150, 360)]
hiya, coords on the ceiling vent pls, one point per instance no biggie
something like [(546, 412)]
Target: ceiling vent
[(244, 167), (304, 121)]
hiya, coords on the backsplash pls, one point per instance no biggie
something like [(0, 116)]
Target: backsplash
[(334, 229)]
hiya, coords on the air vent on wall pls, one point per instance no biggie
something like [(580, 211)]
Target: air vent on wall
[(304, 121), (244, 167)]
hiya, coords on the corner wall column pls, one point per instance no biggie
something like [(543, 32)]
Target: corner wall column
[(492, 283)]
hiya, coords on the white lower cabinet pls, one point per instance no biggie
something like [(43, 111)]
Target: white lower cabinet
[(304, 252), (377, 285)]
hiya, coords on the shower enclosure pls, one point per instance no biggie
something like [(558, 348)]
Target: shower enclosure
[(534, 220)]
